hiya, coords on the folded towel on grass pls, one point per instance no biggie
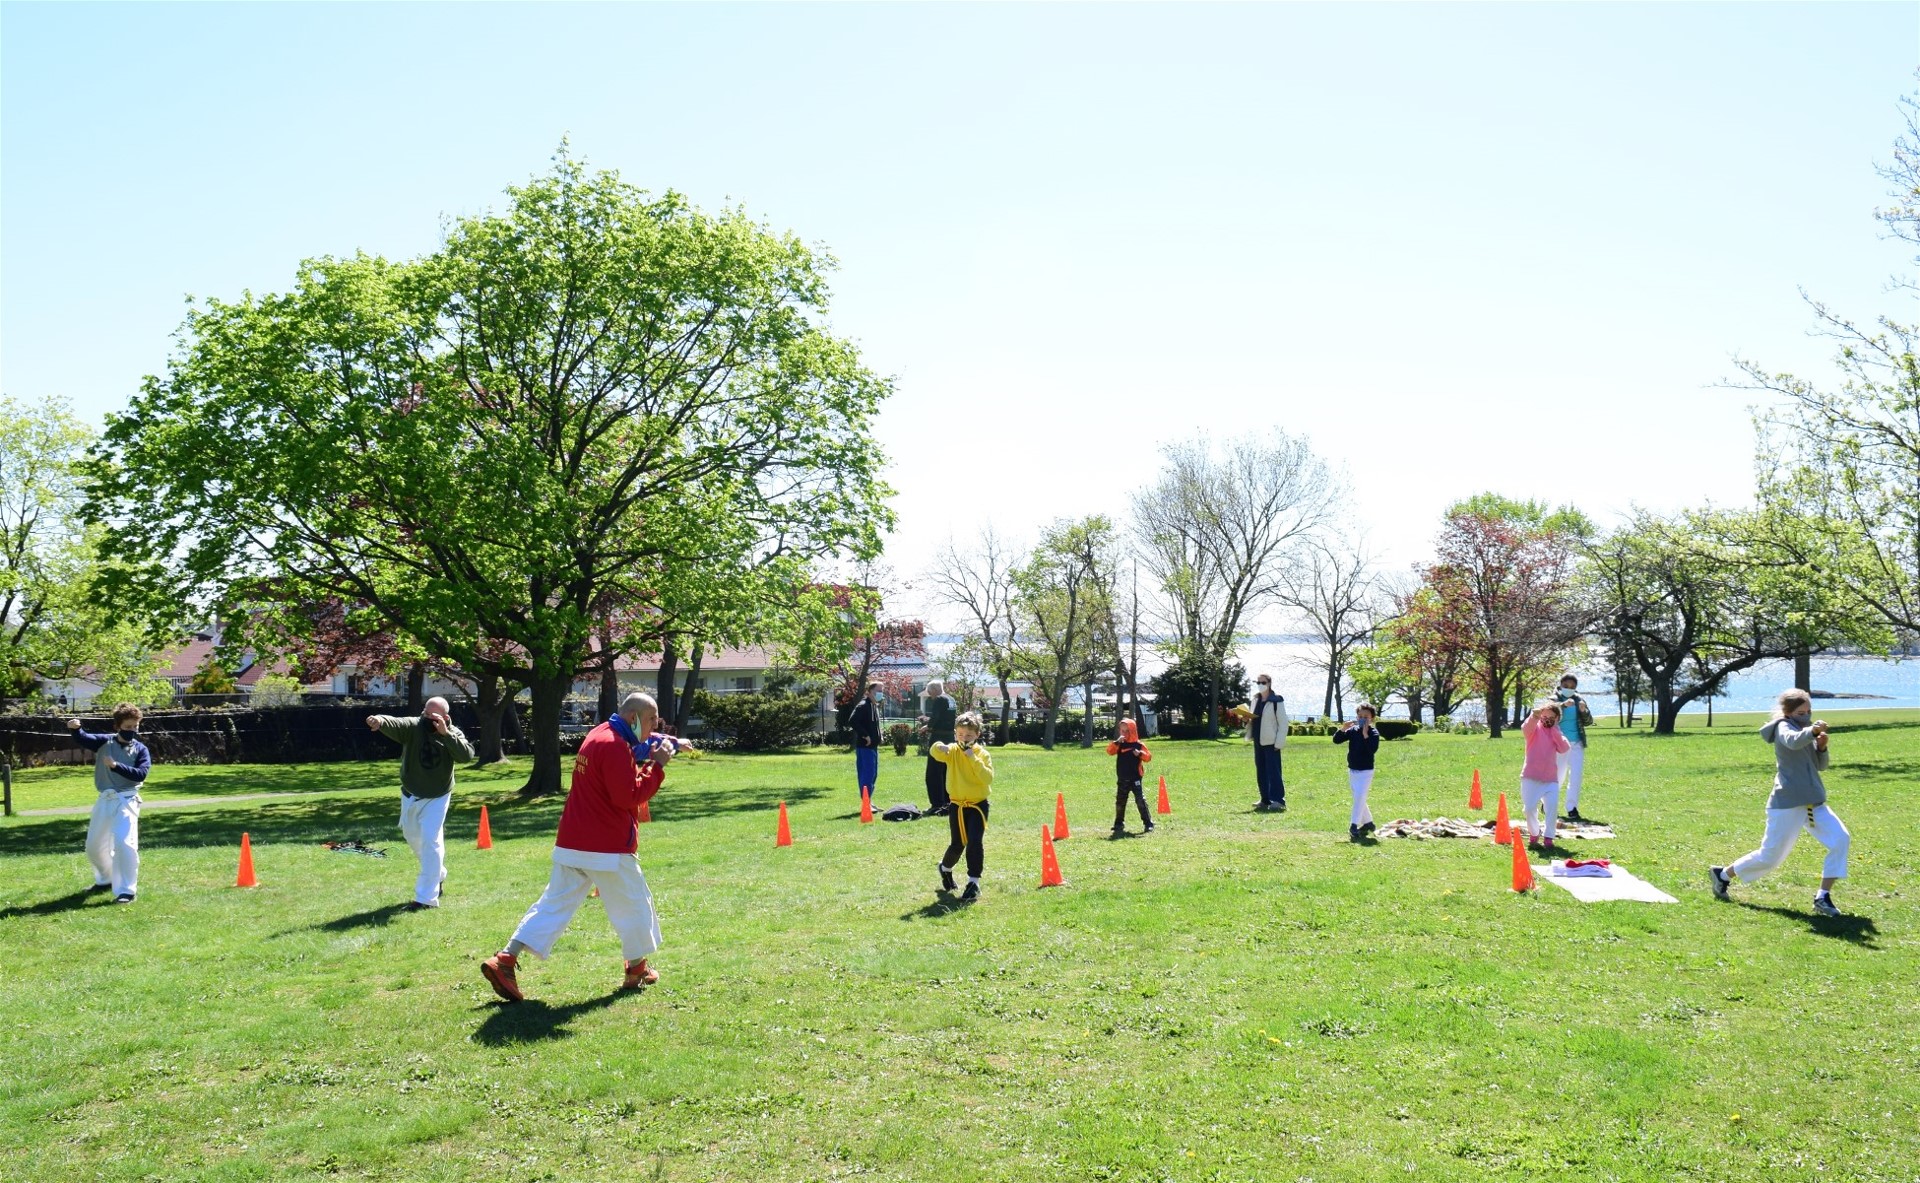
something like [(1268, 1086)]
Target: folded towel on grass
[(1621, 885)]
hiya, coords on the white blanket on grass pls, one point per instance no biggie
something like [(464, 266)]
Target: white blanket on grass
[(1623, 885)]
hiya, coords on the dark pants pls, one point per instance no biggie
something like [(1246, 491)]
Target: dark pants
[(1266, 768), (936, 784), (1139, 791), (974, 818)]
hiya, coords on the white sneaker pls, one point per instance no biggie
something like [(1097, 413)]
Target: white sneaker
[(1823, 904)]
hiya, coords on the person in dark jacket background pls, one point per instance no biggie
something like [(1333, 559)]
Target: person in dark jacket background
[(864, 722), (941, 713), (1363, 740)]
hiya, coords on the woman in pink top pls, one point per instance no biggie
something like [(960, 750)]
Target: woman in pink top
[(1540, 775)]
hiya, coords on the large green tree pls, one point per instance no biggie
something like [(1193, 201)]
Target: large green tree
[(595, 397), (46, 555), (1688, 600)]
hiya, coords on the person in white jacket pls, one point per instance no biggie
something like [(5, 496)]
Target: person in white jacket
[(1268, 731)]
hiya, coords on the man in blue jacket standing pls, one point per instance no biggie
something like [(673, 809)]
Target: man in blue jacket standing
[(120, 765), (864, 722)]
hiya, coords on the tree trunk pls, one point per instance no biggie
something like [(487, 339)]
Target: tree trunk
[(1213, 700), (684, 710), (1803, 669), (1006, 710), (1496, 697), (416, 687), (1326, 708), (549, 695), (490, 702), (609, 676), (663, 681), (510, 728), (1414, 705), (1666, 710), (1086, 718)]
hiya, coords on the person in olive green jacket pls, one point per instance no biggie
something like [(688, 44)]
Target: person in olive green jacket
[(429, 748), (941, 711)]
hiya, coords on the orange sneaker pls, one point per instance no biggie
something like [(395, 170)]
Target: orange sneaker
[(498, 970), (639, 974)]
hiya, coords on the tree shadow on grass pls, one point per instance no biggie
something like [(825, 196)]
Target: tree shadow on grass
[(533, 1020), (669, 806), (293, 822), (1855, 930), (71, 902)]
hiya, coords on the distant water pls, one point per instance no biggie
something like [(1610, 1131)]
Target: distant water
[(1289, 662)]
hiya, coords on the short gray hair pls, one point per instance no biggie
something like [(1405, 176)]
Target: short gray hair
[(936, 687), (635, 702)]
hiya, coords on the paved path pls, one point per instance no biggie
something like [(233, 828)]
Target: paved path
[(177, 802)]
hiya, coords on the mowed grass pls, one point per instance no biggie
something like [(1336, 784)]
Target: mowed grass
[(1236, 997)]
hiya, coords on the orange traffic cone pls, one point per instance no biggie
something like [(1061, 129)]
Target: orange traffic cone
[(866, 806), (1522, 866), (1165, 806), (646, 813), (1502, 828), (1060, 833), (1474, 800), (1049, 862), (246, 878), (784, 836), (486, 832)]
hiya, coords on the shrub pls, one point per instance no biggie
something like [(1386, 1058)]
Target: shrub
[(211, 678), (757, 722), (900, 734), (1184, 686), (1397, 728), (275, 690)]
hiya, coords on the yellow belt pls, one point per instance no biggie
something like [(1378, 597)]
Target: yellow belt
[(961, 819)]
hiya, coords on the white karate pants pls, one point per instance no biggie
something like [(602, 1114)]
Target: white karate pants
[(1360, 780), (424, 822), (1572, 765), (113, 841), (1783, 830), (1540, 796), (623, 889)]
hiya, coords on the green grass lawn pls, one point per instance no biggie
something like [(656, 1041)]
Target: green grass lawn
[(1237, 997)]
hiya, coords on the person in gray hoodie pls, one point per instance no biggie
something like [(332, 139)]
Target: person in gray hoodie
[(120, 764), (1799, 801)]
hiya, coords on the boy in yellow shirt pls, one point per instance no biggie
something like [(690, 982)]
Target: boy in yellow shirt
[(969, 777)]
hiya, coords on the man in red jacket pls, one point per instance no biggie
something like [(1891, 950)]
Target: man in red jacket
[(614, 773)]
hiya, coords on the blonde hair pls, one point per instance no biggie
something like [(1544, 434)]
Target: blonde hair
[(1790, 703), (970, 719), (1554, 707)]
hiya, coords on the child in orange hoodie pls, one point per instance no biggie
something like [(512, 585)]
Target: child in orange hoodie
[(1130, 755)]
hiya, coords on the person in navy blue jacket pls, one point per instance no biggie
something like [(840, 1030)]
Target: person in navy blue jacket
[(865, 725), (120, 765), (1363, 740)]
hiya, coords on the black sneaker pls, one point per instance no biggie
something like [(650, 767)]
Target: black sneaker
[(1366, 828), (1717, 876), (1261, 807), (127, 898), (946, 880), (1279, 806), (1118, 832), (1822, 903), (971, 894), (417, 906), (1573, 815), (99, 887), (1353, 833), (1149, 829)]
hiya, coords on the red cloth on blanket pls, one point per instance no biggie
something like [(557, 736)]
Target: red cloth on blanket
[(1588, 862)]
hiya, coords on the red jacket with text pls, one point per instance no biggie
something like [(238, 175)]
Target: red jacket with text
[(602, 813)]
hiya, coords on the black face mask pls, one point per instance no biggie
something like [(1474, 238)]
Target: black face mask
[(127, 736)]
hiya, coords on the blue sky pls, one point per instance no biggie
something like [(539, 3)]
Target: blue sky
[(1459, 247)]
